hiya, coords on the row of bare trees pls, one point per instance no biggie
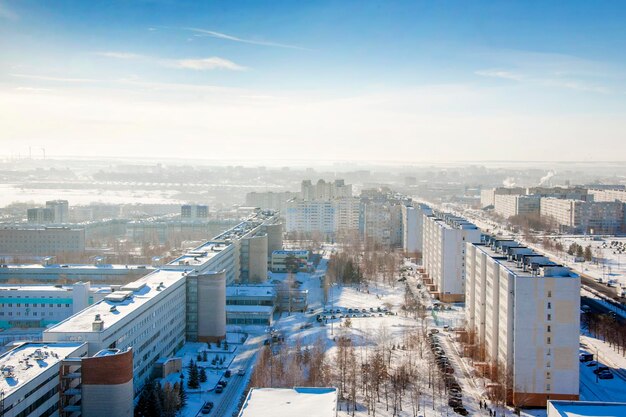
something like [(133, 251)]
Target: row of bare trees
[(607, 328)]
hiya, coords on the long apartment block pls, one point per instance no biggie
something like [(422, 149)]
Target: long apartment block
[(523, 320), (444, 238)]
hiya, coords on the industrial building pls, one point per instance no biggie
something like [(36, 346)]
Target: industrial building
[(522, 314), (41, 241), (444, 239)]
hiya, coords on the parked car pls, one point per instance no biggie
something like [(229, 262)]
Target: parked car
[(227, 373), (605, 375), (600, 369), (207, 407), (585, 357)]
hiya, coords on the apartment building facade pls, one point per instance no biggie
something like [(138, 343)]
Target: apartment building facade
[(522, 312), (515, 205), (444, 238), (577, 216)]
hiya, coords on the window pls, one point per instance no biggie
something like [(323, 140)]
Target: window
[(549, 329), (549, 317), (549, 305), (548, 376), (549, 294), (548, 341)]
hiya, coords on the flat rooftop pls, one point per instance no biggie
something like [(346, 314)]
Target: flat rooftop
[(285, 402), (501, 258), (588, 408), (7, 268), (28, 360), (131, 298)]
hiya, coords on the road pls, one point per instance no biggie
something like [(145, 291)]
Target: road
[(227, 402)]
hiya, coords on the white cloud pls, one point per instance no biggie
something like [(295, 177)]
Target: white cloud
[(507, 75), (220, 35), (197, 64), (204, 64), (121, 55)]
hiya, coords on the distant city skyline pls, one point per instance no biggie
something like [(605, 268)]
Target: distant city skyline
[(321, 81)]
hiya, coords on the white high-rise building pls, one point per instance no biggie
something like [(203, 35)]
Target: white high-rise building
[(409, 229), (444, 237), (60, 211), (523, 317), (326, 217), (323, 190)]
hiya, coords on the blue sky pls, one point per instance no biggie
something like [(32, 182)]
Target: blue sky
[(315, 79)]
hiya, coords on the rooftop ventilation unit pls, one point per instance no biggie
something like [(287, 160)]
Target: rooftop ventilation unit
[(98, 324)]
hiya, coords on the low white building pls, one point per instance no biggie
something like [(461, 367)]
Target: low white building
[(37, 306), (523, 320), (286, 402), (585, 409)]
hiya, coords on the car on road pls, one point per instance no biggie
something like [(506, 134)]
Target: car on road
[(585, 357), (241, 372), (227, 373), (222, 382), (207, 407), (219, 389), (600, 369), (605, 375)]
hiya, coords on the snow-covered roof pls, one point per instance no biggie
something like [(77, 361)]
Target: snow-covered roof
[(285, 402), (27, 361), (585, 409)]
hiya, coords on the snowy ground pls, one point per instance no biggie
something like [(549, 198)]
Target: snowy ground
[(611, 264)]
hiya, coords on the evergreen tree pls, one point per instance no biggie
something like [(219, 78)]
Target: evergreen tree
[(145, 406), (588, 254), (579, 251), (181, 391), (204, 356), (193, 381), (572, 249), (202, 376)]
